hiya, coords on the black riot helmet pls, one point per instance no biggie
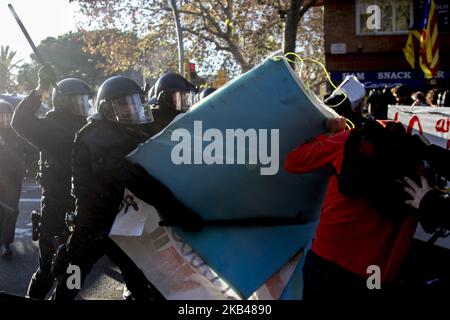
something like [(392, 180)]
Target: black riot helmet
[(6, 112), (72, 95), (206, 92), (120, 99), (174, 92)]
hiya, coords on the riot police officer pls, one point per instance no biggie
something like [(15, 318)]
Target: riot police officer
[(171, 95), (100, 175), (53, 136), (12, 154)]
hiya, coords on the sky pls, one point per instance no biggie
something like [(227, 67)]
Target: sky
[(42, 19)]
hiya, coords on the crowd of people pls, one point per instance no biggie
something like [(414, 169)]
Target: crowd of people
[(382, 183), (378, 100)]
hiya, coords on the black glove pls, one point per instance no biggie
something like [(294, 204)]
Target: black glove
[(191, 221), (188, 220), (47, 78), (171, 210)]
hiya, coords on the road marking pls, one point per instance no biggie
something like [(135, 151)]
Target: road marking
[(30, 200), (22, 233)]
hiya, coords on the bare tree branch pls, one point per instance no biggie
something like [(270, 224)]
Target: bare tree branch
[(208, 39)]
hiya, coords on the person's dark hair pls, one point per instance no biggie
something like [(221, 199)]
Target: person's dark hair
[(402, 94), (378, 104), (401, 91)]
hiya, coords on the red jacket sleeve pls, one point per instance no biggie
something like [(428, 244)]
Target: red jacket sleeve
[(316, 153)]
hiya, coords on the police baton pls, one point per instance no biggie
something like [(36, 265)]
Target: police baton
[(25, 32), (244, 222)]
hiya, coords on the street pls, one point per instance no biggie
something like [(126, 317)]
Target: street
[(104, 281)]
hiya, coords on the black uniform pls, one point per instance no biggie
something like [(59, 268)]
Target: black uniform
[(100, 175), (12, 154), (53, 136)]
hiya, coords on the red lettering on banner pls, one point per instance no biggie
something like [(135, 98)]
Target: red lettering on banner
[(396, 117), (443, 125), (412, 122)]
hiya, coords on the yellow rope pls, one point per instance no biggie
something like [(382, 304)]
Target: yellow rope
[(350, 125), (302, 61)]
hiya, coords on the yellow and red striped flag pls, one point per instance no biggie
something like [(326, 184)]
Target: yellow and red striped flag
[(429, 41), (409, 49)]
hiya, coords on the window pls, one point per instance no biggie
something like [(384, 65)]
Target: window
[(395, 16)]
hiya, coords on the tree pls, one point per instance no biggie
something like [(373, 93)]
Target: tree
[(310, 44), (158, 55), (27, 77), (294, 12), (176, 17), (68, 56), (230, 34), (235, 34), (7, 67)]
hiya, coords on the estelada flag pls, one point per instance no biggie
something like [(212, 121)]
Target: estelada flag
[(427, 35), (409, 50), (429, 41)]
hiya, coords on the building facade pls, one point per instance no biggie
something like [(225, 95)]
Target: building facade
[(375, 55)]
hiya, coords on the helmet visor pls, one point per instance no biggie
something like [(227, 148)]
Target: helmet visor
[(77, 104), (5, 119), (130, 110), (184, 100)]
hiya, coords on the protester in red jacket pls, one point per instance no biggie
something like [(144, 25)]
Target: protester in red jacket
[(353, 238)]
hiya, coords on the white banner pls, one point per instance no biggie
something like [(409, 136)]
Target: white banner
[(172, 265), (434, 123)]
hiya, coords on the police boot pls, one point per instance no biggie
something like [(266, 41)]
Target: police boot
[(39, 286)]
